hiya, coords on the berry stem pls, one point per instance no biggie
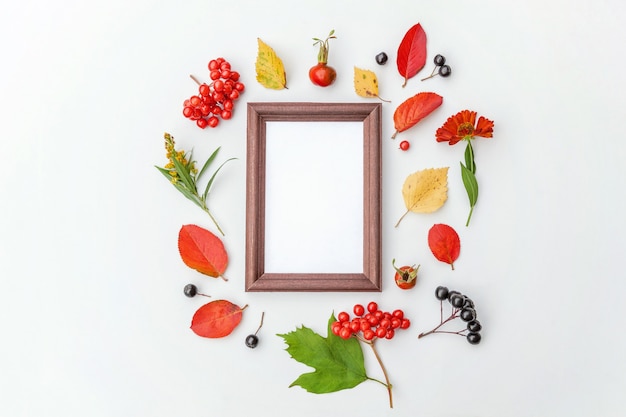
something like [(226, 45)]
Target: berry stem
[(454, 315), (382, 366), (432, 74), (195, 79)]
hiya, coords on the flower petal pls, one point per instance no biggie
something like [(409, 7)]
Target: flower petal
[(484, 128)]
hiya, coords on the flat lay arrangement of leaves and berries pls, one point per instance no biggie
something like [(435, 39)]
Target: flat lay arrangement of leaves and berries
[(337, 359)]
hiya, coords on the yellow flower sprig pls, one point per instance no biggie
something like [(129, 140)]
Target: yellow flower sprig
[(181, 171)]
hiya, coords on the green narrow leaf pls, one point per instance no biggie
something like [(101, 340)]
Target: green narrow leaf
[(338, 363), (184, 175), (470, 183), (208, 186), (180, 187), (470, 164), (208, 162)]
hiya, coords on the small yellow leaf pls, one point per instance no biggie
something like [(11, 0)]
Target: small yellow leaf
[(270, 71), (365, 83), (425, 191)]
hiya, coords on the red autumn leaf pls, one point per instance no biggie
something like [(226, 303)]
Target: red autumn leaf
[(202, 250), (414, 109), (216, 319), (412, 52), (444, 243)]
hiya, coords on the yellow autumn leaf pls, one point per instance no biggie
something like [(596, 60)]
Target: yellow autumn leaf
[(270, 71), (365, 83), (425, 191)]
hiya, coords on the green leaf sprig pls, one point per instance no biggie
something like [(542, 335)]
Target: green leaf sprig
[(182, 173), (339, 363)]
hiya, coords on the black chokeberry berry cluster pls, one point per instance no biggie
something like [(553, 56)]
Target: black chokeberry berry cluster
[(461, 307), (441, 68)]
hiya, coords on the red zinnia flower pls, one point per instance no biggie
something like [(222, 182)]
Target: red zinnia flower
[(463, 126)]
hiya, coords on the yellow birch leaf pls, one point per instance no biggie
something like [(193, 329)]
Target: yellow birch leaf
[(365, 83), (425, 191), (270, 71)]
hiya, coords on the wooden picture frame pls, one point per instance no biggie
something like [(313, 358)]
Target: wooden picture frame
[(368, 278)]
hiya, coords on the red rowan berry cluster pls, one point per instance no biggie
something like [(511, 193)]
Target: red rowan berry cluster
[(214, 101), (372, 324)]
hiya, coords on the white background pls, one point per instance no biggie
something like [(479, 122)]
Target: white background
[(93, 318)]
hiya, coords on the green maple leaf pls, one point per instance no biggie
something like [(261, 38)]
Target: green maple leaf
[(338, 363)]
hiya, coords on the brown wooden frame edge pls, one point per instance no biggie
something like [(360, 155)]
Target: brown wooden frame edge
[(258, 114)]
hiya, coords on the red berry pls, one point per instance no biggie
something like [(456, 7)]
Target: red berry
[(226, 114), (381, 332), (225, 66), (205, 109), (234, 75), (187, 111), (406, 323), (228, 105), (390, 334), (385, 323), (372, 307), (355, 326), (202, 123), (368, 334), (213, 121), (213, 65), (396, 322), (225, 74), (215, 74), (359, 310), (218, 85), (365, 325), (343, 316), (398, 313), (195, 101), (234, 95), (204, 90), (405, 145), (239, 87), (345, 333)]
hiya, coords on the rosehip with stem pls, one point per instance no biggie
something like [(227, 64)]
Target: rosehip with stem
[(406, 276), (322, 74)]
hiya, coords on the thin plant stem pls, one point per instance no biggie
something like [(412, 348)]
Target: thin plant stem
[(382, 366)]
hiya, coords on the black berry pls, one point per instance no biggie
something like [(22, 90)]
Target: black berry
[(468, 303), (468, 314), (474, 326), (451, 293), (439, 60), (381, 58), (445, 70), (473, 338), (441, 293), (251, 341), (457, 300), (190, 290)]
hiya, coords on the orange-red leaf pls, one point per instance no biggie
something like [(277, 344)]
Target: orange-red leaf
[(411, 56), (216, 319), (202, 250), (444, 243), (414, 109)]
